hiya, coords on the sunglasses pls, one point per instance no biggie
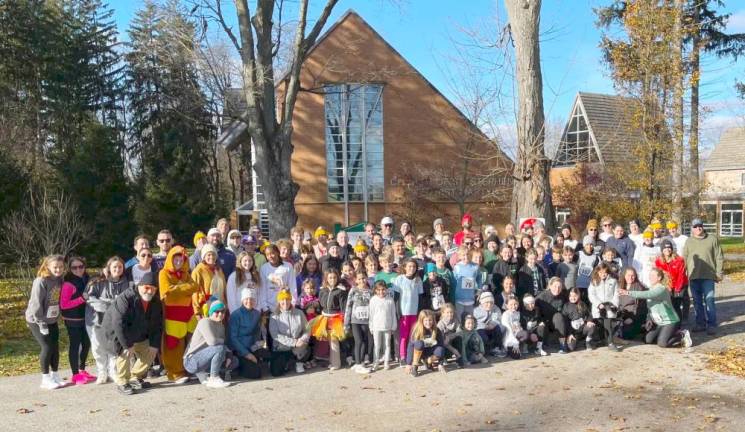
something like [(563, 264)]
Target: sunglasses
[(146, 256), (468, 243), (699, 226), (77, 267), (606, 224), (388, 225), (164, 240)]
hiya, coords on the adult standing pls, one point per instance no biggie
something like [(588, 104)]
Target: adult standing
[(223, 225), (466, 222), (141, 241), (225, 258), (275, 276), (42, 314), (144, 266), (234, 242), (369, 233), (72, 308), (592, 230), (439, 227), (210, 281), (606, 224), (176, 290), (623, 245), (674, 234), (705, 267), (386, 230), (645, 256), (635, 232), (346, 251), (133, 329), (566, 231), (165, 243), (333, 260)]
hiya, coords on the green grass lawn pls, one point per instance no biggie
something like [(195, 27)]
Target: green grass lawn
[(732, 244)]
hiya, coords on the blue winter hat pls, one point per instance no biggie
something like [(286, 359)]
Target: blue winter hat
[(430, 267), (215, 307)]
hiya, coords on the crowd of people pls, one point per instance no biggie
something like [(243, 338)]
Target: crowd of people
[(241, 305)]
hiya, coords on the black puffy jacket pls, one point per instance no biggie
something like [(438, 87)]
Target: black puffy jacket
[(127, 322)]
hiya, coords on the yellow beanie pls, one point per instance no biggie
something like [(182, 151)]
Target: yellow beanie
[(319, 232), (648, 233), (592, 223), (198, 236), (360, 247), (671, 224), (284, 295), (656, 224), (263, 246)]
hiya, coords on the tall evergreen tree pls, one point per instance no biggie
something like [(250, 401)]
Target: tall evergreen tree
[(169, 124)]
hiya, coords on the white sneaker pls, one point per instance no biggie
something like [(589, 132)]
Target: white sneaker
[(56, 378), (102, 378), (182, 380), (216, 382), (47, 383), (361, 369), (687, 341), (350, 360), (202, 377), (299, 368), (542, 352)]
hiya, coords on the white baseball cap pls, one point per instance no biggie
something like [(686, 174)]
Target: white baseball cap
[(386, 221)]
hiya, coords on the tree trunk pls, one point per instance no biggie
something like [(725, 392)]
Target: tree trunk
[(531, 193), (695, 180), (679, 77)]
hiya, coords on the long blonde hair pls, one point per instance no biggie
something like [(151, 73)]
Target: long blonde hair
[(43, 270), (417, 333)]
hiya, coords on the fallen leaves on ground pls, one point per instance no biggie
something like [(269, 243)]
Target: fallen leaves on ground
[(24, 411), (729, 361)]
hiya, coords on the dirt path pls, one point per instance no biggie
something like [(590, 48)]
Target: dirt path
[(642, 387)]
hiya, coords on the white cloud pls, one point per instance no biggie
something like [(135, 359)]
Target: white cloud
[(736, 23)]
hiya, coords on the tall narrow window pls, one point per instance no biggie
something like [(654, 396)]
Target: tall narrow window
[(576, 144), (354, 142)]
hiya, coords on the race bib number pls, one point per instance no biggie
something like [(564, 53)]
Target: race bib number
[(361, 312), (577, 323), (469, 284), (585, 270), (532, 325), (53, 312)]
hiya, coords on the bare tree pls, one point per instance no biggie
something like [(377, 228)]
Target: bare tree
[(677, 105), (270, 103), (49, 224), (531, 193)]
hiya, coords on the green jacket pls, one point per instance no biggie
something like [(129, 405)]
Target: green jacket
[(704, 257), (659, 306)]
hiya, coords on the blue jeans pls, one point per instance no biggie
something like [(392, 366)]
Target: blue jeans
[(702, 291), (208, 359)]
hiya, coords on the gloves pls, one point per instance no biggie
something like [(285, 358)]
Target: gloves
[(44, 330)]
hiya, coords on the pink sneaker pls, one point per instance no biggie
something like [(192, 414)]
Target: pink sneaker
[(79, 379), (88, 376)]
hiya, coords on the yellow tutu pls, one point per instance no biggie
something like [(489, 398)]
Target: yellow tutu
[(325, 327)]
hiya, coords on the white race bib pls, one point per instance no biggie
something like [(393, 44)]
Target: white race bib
[(53, 311), (577, 323), (468, 284), (361, 312)]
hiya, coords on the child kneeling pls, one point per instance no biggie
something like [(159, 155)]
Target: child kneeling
[(472, 346), (425, 342)]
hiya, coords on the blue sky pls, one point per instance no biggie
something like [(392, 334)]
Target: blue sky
[(423, 32)]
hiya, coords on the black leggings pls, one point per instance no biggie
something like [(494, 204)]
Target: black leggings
[(558, 324), (80, 345), (609, 325), (665, 336), (49, 343), (362, 342)]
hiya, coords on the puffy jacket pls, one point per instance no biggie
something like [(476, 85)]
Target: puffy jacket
[(244, 329), (333, 301), (676, 270), (127, 322), (603, 292)]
